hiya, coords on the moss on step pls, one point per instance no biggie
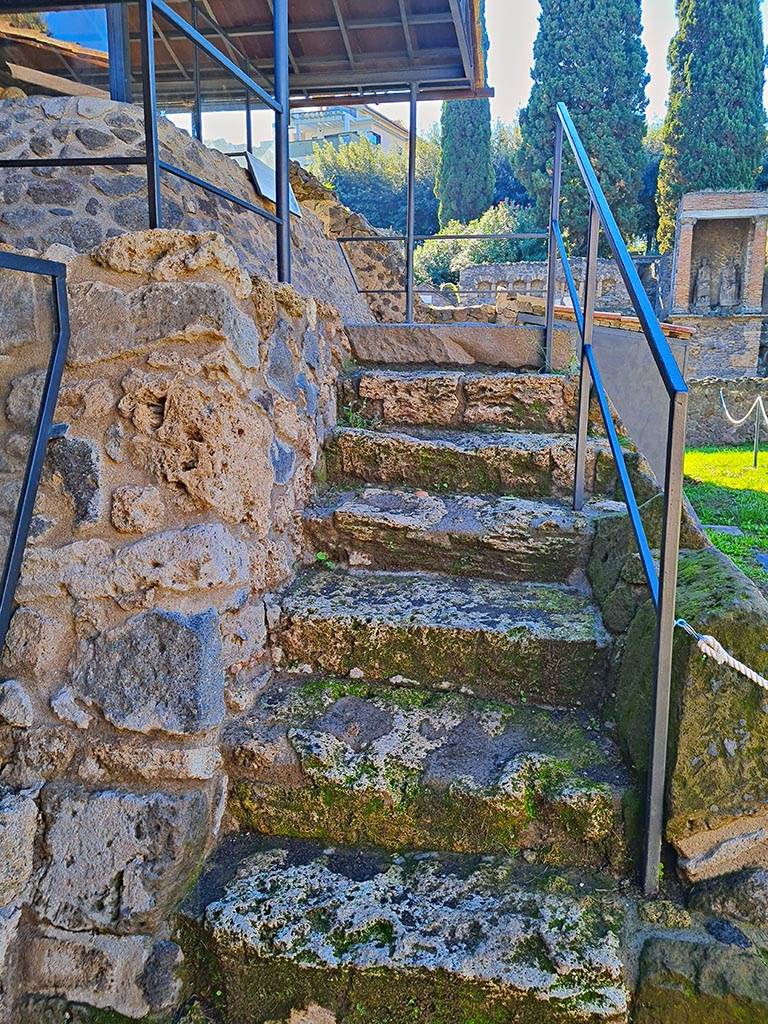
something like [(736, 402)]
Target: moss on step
[(719, 725), (406, 769), (51, 1010)]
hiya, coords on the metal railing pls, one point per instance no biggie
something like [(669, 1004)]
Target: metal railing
[(662, 582), (411, 289), (44, 430), (279, 104)]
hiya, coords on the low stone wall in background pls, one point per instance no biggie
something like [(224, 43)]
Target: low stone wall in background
[(707, 423), (197, 398)]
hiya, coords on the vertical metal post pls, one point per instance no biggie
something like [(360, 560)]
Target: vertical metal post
[(410, 214), (665, 627), (585, 377), (756, 447), (150, 112), (118, 45), (554, 221), (248, 123), (197, 105), (282, 121)]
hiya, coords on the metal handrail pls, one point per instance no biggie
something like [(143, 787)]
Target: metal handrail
[(45, 429), (279, 103), (410, 290), (662, 582)]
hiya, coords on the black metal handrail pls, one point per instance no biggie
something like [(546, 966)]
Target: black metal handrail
[(279, 104), (662, 582), (45, 429)]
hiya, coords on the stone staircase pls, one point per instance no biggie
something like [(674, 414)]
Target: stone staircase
[(438, 720)]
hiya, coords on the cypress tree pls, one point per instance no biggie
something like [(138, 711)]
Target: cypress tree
[(588, 54), (714, 132), (466, 176)]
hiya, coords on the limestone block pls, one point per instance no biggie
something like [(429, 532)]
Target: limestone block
[(79, 569), (414, 398), (26, 307), (133, 975), (18, 825), (160, 671), (24, 398), (100, 321), (166, 255), (156, 763), (15, 705), (31, 642), (137, 509), (66, 708), (39, 754), (207, 440), (117, 859), (244, 634), (86, 399)]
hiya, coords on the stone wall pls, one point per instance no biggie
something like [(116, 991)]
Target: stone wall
[(480, 283), (197, 398), (723, 346), (707, 424), (82, 206)]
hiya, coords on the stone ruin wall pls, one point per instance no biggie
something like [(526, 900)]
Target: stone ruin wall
[(82, 206), (530, 278), (707, 424), (198, 398)]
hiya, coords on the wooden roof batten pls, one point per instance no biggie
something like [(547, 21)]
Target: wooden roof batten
[(340, 51)]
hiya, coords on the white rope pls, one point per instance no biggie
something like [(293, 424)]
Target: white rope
[(714, 649), (758, 403)]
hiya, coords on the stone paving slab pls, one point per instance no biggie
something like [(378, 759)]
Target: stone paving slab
[(360, 937), (344, 761), (527, 465), (500, 537), (543, 642)]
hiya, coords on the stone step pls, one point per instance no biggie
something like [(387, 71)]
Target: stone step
[(501, 537), (290, 932), (543, 643), (528, 465), (515, 346), (459, 399), (342, 761)]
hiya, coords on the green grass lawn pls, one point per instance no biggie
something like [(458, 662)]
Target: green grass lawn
[(726, 490)]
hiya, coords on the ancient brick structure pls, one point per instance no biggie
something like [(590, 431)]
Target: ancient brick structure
[(717, 279)]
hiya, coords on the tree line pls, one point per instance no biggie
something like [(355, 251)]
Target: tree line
[(589, 54)]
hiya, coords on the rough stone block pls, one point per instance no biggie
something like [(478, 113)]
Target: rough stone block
[(117, 860), (132, 975), (18, 826), (16, 707), (137, 509), (160, 671)]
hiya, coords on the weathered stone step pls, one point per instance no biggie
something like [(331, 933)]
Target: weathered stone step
[(346, 762), (455, 398), (291, 932), (501, 537), (545, 643), (528, 465), (461, 344)]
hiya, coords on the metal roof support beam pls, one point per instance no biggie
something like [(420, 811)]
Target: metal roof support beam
[(458, 22), (406, 30), (344, 32), (120, 85)]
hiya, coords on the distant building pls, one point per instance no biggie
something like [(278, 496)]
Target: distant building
[(338, 125)]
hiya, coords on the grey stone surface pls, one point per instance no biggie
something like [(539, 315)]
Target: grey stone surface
[(459, 344), (478, 926), (528, 465), (743, 895), (16, 706), (76, 462), (18, 826), (117, 860), (161, 671), (500, 537), (544, 641), (450, 773), (132, 975)]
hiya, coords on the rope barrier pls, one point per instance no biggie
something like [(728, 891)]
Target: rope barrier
[(714, 649), (757, 404)]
